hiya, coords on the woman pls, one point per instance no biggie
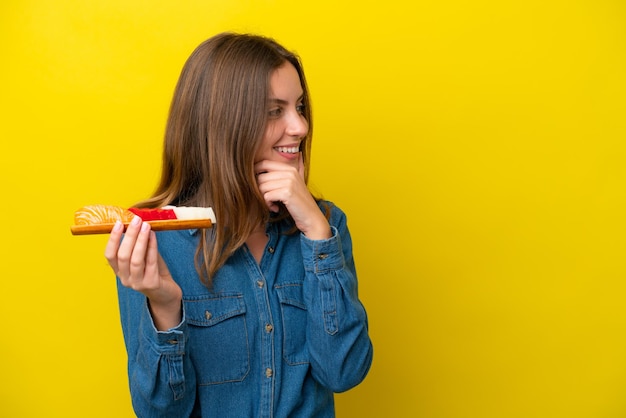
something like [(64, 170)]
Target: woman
[(259, 315)]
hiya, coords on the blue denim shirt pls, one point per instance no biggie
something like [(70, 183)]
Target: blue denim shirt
[(274, 339)]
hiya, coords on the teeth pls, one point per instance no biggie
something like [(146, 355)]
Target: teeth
[(288, 150)]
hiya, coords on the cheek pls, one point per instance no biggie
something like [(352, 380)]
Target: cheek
[(267, 143), (271, 132), (272, 135)]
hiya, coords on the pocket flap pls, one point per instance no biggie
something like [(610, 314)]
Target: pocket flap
[(291, 294), (210, 310)]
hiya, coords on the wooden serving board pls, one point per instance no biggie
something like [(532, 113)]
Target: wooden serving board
[(167, 225)]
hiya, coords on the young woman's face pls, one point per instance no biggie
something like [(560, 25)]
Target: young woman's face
[(286, 125)]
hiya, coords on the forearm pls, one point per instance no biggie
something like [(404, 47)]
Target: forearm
[(317, 227), (166, 316), (337, 331), (162, 381), (337, 336)]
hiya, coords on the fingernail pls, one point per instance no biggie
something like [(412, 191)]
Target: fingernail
[(135, 221), (145, 226), (117, 226)]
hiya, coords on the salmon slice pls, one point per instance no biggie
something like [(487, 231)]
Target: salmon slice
[(101, 214)]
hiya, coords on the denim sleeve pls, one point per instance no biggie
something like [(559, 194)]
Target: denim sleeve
[(162, 381), (339, 346)]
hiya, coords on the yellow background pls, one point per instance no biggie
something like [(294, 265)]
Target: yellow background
[(477, 147)]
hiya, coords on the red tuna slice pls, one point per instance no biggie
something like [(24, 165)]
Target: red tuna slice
[(154, 214)]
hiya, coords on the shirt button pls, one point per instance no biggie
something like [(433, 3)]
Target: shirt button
[(271, 250), (269, 372), (208, 315), (269, 328), (322, 256), (260, 283)]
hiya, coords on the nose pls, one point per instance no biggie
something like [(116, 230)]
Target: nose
[(297, 125)]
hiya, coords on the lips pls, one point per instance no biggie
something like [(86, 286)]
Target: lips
[(288, 150)]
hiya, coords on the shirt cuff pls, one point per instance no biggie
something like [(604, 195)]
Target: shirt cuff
[(171, 341), (322, 255)]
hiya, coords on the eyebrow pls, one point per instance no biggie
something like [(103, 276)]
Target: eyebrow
[(284, 102)]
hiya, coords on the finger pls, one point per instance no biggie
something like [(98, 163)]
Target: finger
[(272, 205), (113, 245), (125, 250), (279, 178), (140, 250), (260, 167), (274, 195), (266, 166), (152, 254), (163, 269), (152, 266)]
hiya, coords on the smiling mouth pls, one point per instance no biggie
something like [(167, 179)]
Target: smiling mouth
[(288, 150)]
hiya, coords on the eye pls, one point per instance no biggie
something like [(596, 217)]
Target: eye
[(275, 112), (301, 108)]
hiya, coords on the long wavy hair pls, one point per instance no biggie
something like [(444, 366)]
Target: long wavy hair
[(216, 122)]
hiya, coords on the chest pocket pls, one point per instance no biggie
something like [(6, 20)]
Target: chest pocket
[(294, 318), (218, 340)]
